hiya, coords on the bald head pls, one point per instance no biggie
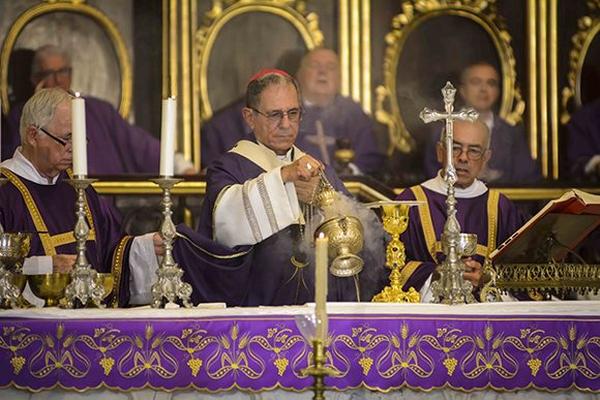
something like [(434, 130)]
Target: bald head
[(51, 68), (319, 76)]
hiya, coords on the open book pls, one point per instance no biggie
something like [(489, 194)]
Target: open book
[(565, 221)]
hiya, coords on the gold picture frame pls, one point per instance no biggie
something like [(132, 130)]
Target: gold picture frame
[(294, 12), (414, 13), (77, 7)]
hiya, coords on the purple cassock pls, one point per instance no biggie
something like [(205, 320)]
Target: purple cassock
[(47, 211), (583, 140), (114, 146), (343, 120), (426, 224), (262, 274), (511, 161)]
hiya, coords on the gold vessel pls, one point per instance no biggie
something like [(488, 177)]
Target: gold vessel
[(14, 247), (345, 241), (49, 287)]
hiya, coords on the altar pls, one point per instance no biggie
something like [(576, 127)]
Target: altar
[(549, 349)]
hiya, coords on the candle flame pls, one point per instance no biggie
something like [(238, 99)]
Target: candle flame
[(77, 94), (321, 235)]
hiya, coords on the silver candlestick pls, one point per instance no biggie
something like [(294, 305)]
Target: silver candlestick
[(169, 287), (84, 289), (450, 288)]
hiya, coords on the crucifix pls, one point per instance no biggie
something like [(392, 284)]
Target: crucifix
[(321, 140), (451, 288)]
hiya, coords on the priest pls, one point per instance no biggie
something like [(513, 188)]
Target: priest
[(38, 199), (256, 201), (487, 213), (114, 146)]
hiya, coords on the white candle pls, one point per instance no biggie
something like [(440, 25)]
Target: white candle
[(78, 133), (167, 137), (321, 261)]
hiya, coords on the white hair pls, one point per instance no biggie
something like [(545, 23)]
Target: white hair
[(45, 51), (40, 109)]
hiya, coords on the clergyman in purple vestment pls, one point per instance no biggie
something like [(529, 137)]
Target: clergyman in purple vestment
[(329, 120), (511, 162), (114, 146), (37, 199), (487, 213), (252, 206), (583, 143)]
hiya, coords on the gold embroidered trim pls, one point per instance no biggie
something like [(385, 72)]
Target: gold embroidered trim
[(407, 271), (36, 216), (49, 242), (492, 209), (426, 222), (117, 268)]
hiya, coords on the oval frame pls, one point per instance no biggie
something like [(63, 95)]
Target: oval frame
[(77, 8), (387, 107), (588, 29), (306, 24)]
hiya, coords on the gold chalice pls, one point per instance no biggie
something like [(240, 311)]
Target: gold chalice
[(50, 287), (345, 241), (14, 247)]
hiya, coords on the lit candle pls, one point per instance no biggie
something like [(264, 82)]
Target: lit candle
[(321, 260), (167, 137), (78, 133)]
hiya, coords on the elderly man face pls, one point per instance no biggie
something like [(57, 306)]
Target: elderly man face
[(319, 76), (49, 147), (54, 71), (276, 120), (480, 87), (470, 151)]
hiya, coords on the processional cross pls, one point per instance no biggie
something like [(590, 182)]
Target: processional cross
[(321, 140), (451, 288)]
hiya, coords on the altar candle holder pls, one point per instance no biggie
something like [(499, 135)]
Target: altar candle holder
[(318, 370), (169, 286), (83, 291)]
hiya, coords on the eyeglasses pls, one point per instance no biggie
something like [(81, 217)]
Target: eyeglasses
[(58, 74), (473, 153), (275, 117), (64, 142)]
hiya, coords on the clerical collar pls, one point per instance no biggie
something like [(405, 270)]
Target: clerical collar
[(289, 156), (438, 185), (21, 166)]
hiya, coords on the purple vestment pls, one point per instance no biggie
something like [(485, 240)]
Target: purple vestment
[(472, 214), (344, 119), (511, 161), (264, 275), (114, 146), (56, 206), (583, 141)]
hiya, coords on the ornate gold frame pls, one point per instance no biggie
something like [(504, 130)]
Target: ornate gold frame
[(416, 12), (588, 28), (77, 7), (292, 11)]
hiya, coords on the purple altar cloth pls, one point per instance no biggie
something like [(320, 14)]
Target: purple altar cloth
[(261, 352)]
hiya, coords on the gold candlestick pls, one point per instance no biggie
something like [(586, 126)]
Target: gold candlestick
[(83, 289), (169, 287), (318, 370)]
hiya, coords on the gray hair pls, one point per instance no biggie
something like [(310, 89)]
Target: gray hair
[(257, 86), (45, 51), (479, 122), (40, 109)]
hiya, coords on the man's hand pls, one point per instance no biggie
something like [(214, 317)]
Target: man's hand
[(472, 271), (159, 247), (306, 190), (303, 169), (63, 263)]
